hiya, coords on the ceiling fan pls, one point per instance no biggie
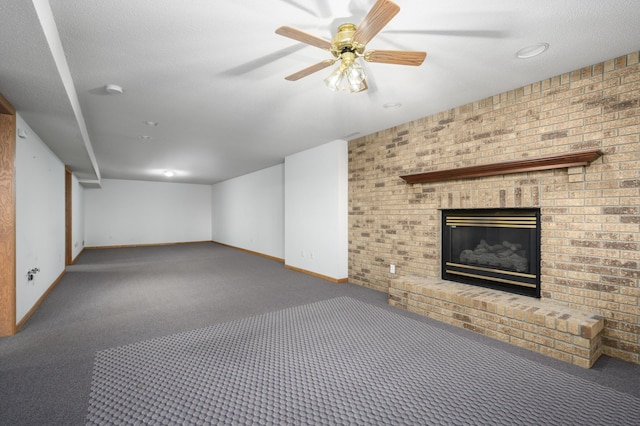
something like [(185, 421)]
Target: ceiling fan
[(348, 44)]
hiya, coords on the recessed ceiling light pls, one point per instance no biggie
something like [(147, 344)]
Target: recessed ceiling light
[(151, 123), (145, 137), (169, 173), (113, 89), (533, 50), (392, 105)]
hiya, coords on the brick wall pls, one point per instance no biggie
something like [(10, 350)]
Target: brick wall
[(590, 216)]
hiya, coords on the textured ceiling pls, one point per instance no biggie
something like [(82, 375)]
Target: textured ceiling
[(211, 73)]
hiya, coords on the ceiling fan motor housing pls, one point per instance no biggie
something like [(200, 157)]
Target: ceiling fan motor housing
[(343, 41)]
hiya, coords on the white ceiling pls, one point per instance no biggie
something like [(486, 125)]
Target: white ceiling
[(211, 73)]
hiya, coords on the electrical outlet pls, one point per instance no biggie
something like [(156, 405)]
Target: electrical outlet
[(31, 273), (392, 268)]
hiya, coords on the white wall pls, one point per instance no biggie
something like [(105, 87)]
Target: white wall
[(77, 217), (316, 212), (126, 212), (248, 212), (296, 211), (40, 218)]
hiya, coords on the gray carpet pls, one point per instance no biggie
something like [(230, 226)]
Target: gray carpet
[(339, 361), (117, 297)]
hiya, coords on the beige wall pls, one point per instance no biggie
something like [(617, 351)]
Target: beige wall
[(590, 217)]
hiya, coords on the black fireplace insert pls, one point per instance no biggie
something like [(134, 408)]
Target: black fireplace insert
[(494, 248)]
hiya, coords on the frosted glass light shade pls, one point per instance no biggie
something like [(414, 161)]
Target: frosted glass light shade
[(348, 77), (334, 80)]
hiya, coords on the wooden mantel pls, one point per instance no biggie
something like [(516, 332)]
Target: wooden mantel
[(573, 159)]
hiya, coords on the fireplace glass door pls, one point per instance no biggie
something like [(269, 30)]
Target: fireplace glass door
[(495, 248)]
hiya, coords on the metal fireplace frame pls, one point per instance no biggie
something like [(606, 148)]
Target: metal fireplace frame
[(518, 282)]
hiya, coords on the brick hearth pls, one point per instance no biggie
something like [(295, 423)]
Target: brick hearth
[(542, 326)]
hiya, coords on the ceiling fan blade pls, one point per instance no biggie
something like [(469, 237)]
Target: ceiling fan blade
[(310, 70), (379, 15), (304, 37), (397, 57)]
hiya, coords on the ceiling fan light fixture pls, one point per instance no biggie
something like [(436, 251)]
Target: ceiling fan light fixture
[(349, 76), (348, 44), (355, 74), (334, 80), (356, 87)]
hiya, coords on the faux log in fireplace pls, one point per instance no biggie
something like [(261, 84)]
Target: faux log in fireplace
[(494, 248)]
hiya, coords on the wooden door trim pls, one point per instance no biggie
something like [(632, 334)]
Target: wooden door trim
[(68, 217), (7, 218)]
